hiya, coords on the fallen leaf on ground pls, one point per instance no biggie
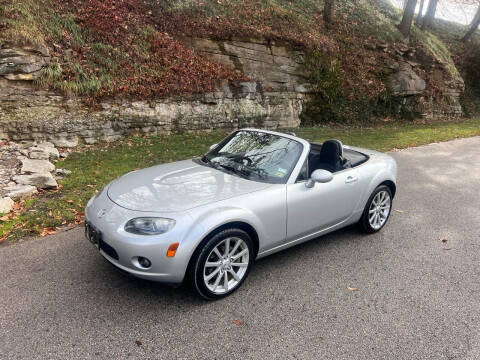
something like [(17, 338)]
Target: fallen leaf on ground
[(69, 201), (399, 211), (237, 322), (352, 288), (48, 231), (5, 218), (446, 249), (2, 239), (139, 343), (443, 240)]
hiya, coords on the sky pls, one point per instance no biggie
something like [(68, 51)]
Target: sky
[(448, 10)]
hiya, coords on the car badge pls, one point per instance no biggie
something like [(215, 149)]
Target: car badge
[(101, 213)]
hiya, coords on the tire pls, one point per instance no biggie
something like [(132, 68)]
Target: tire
[(369, 223), (222, 276)]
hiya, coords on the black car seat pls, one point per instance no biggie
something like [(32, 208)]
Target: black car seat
[(330, 157)]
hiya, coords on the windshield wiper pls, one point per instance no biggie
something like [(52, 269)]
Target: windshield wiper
[(242, 173)]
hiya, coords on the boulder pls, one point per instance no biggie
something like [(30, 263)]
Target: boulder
[(6, 205), (405, 81), (30, 166), (18, 192), (40, 180), (44, 151)]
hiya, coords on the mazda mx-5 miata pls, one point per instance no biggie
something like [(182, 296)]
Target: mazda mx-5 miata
[(253, 194)]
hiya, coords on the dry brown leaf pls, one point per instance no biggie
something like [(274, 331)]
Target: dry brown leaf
[(446, 249), (2, 239), (237, 322), (69, 201), (5, 218), (443, 240), (399, 211), (352, 288), (48, 231)]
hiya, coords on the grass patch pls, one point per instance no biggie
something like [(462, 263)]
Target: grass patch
[(95, 166)]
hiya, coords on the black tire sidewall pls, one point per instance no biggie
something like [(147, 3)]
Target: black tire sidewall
[(364, 221), (205, 250)]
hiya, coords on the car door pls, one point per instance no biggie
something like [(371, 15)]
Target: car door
[(311, 210)]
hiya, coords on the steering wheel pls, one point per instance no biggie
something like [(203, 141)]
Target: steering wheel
[(238, 158)]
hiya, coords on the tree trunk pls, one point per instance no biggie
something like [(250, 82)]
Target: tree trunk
[(430, 15), (328, 12), (420, 12), (407, 19), (473, 26)]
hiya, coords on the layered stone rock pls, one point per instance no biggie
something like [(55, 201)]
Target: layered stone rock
[(21, 175), (20, 192)]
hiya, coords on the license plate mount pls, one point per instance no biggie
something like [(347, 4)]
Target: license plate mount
[(93, 235)]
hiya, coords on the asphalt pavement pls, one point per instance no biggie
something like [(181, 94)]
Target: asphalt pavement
[(402, 293)]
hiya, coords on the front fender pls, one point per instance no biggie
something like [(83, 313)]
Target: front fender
[(209, 220), (384, 170), (212, 219)]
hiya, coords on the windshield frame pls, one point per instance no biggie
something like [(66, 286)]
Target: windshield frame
[(284, 180)]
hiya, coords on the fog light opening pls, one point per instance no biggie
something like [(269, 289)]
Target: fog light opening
[(144, 262)]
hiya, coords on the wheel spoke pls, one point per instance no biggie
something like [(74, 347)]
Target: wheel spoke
[(225, 281), (235, 247), (234, 274), (217, 281), (212, 274), (217, 253), (240, 264), (227, 247), (241, 253), (212, 264)]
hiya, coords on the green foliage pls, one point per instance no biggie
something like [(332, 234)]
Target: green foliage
[(325, 77), (22, 21), (59, 24), (436, 47), (328, 102), (376, 19)]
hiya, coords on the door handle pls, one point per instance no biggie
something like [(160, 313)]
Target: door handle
[(350, 179)]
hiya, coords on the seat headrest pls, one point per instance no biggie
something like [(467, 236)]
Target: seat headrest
[(332, 147)]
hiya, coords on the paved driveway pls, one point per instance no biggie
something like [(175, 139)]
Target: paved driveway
[(417, 297)]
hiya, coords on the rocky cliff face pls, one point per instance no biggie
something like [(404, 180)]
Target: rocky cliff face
[(274, 98)]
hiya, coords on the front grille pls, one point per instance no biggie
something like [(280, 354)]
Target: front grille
[(107, 249)]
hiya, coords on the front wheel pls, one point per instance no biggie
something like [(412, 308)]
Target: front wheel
[(377, 211), (222, 264)]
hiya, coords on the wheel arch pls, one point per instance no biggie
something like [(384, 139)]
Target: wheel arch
[(391, 185), (242, 225)]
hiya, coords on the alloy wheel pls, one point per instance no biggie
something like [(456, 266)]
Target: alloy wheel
[(226, 265), (379, 210)]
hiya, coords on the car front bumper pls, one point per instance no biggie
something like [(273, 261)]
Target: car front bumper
[(122, 248)]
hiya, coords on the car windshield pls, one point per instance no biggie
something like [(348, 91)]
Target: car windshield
[(256, 156)]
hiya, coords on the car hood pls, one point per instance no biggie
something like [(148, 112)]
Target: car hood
[(177, 186)]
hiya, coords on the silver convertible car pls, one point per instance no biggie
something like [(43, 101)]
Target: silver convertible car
[(257, 192)]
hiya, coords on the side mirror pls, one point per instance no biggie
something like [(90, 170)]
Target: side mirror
[(212, 147), (320, 176)]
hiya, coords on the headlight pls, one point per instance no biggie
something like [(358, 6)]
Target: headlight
[(149, 225)]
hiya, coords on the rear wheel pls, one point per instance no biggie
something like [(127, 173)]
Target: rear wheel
[(222, 264), (377, 211)]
